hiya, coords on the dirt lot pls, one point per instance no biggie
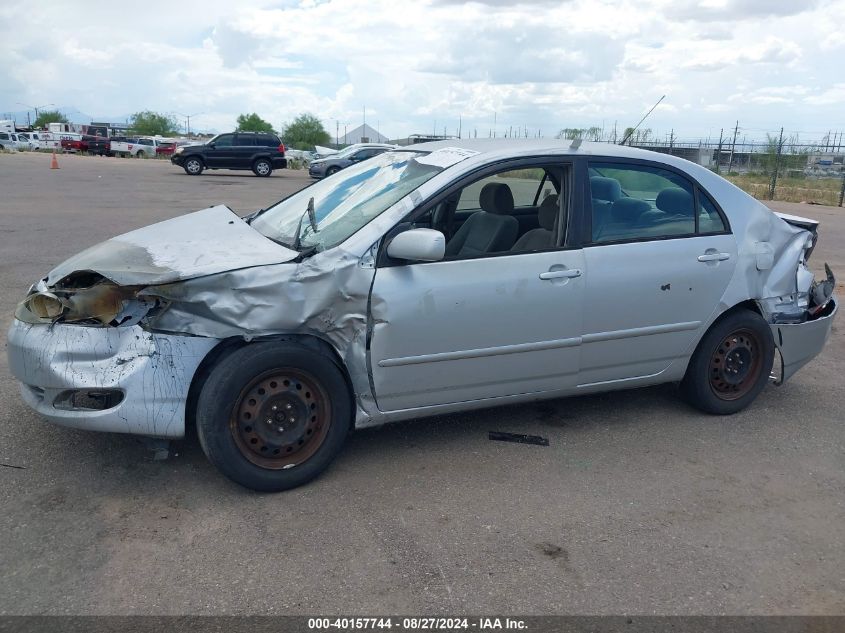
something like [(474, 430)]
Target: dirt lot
[(638, 505)]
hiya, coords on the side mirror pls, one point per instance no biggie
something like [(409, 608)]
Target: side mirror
[(420, 245), (210, 144)]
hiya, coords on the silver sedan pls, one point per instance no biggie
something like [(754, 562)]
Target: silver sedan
[(438, 278)]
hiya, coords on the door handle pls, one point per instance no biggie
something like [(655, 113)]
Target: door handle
[(568, 273), (714, 257)]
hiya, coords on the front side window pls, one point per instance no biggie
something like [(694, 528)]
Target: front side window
[(330, 211), (527, 185), (224, 140), (514, 211), (631, 202)]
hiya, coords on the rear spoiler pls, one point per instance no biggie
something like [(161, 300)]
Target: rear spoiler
[(796, 220)]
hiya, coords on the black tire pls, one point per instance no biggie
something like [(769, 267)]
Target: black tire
[(140, 154), (262, 167), (193, 166), (247, 399), (731, 365), (332, 170)]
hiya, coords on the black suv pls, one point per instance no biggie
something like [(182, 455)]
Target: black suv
[(260, 152)]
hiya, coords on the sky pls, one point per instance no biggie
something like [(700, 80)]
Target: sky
[(488, 66)]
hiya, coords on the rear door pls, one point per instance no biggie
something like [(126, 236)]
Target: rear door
[(658, 263), (244, 150)]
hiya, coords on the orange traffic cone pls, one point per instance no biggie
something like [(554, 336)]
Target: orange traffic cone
[(54, 164)]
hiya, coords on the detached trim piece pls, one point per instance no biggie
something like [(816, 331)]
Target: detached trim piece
[(574, 341), (518, 438)]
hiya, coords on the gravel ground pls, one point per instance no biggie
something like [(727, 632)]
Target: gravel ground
[(639, 505)]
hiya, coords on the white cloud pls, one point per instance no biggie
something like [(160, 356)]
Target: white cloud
[(417, 66)]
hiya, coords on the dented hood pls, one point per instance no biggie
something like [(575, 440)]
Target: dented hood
[(202, 243)]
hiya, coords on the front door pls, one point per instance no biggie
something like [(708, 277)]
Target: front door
[(223, 153), (471, 329), (482, 325)]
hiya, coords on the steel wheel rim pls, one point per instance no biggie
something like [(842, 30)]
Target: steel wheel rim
[(262, 168), (193, 166), (735, 364), (288, 399)]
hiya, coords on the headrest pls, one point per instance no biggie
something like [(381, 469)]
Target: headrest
[(675, 201), (496, 198), (547, 213), (628, 209), (605, 188)]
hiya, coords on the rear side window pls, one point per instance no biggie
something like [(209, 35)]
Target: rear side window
[(246, 140), (268, 141), (633, 202), (709, 219)]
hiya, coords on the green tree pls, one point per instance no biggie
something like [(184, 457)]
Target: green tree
[(253, 123), (304, 132), (149, 123), (49, 116)]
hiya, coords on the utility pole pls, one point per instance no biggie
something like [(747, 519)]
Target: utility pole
[(672, 139), (719, 150), (842, 191), (774, 181), (337, 134), (494, 124), (733, 147)]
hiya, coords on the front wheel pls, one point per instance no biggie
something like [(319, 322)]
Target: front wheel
[(193, 166), (262, 167), (273, 415), (332, 170), (140, 154), (731, 364)]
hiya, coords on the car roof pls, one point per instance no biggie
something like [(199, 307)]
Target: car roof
[(493, 149)]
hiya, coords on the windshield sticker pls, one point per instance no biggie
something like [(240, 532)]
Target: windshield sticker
[(446, 157)]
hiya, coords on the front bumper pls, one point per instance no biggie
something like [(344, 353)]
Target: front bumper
[(153, 372), (799, 343), (176, 159), (317, 171)]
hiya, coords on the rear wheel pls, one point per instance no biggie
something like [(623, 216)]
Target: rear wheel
[(272, 416), (731, 365), (262, 167), (193, 166)]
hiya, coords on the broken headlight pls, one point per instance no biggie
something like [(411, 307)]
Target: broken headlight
[(103, 303)]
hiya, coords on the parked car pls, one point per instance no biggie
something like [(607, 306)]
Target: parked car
[(258, 151), (75, 143), (9, 141), (44, 140), (165, 148), (27, 138), (437, 278), (333, 163), (99, 145), (138, 147), (22, 141)]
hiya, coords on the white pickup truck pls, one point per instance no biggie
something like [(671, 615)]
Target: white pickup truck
[(138, 147)]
